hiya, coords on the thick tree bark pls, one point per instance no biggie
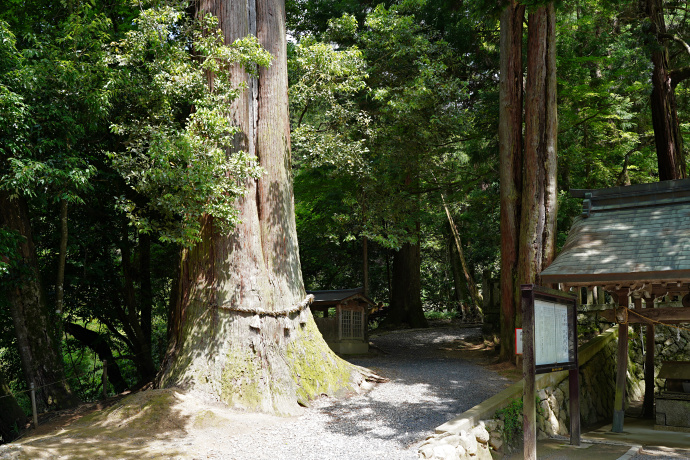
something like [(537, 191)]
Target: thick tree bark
[(240, 327), (12, 418), (510, 151), (406, 301), (669, 148), (538, 211), (100, 346), (34, 323), (528, 175)]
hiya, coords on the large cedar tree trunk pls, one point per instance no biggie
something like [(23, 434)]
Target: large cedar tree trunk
[(406, 299), (35, 326), (669, 149), (510, 152), (539, 193), (239, 328), (528, 173)]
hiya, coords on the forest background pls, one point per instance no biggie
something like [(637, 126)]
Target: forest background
[(114, 146)]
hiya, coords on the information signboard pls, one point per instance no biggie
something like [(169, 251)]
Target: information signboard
[(552, 333), (549, 344), (554, 329)]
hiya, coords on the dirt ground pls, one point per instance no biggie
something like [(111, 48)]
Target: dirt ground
[(152, 424), (173, 424)]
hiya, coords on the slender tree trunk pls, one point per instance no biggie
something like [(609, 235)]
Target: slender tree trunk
[(62, 258), (510, 151), (365, 264), (145, 291), (60, 281), (133, 318), (12, 418), (471, 286), (406, 301), (459, 283), (240, 326), (538, 211), (34, 323), (669, 149)]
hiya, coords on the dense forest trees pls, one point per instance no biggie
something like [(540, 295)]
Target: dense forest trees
[(145, 170)]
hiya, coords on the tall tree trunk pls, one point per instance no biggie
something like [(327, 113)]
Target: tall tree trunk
[(539, 193), (62, 258), (365, 265), (12, 418), (528, 175), (241, 328), (510, 152), (471, 286), (459, 283), (406, 300), (669, 149), (133, 316), (60, 281), (34, 323), (145, 291)]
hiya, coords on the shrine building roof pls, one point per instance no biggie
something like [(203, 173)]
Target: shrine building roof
[(337, 296), (626, 237)]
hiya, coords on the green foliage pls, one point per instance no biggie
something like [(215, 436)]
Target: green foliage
[(179, 161), (390, 137), (512, 421), (605, 133), (329, 128), (436, 315)]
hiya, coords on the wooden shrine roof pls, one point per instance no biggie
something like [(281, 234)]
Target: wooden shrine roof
[(334, 297), (627, 236)]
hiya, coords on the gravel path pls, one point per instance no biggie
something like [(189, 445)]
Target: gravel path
[(661, 454), (427, 388)]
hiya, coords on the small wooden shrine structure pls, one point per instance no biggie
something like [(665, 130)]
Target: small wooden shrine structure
[(346, 331), (635, 242)]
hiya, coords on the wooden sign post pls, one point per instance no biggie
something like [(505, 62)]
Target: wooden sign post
[(549, 344)]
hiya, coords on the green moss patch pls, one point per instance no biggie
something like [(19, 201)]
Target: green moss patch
[(315, 368), (241, 379)]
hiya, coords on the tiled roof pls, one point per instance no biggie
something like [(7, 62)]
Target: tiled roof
[(628, 234)]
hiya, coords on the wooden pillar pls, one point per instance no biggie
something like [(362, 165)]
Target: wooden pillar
[(648, 404), (621, 364), (529, 408), (574, 386)]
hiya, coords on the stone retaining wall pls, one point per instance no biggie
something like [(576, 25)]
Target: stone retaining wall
[(597, 390), (597, 377)]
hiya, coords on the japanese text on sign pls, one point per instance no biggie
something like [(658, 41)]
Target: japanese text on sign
[(551, 343)]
